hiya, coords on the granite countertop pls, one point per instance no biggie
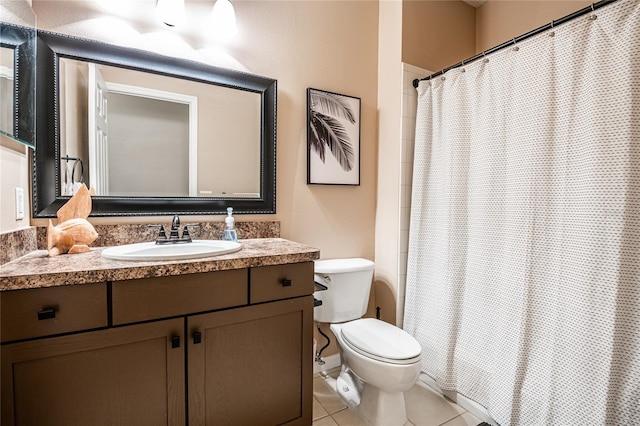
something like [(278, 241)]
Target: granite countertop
[(37, 269)]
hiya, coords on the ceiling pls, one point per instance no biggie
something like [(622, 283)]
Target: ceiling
[(475, 3)]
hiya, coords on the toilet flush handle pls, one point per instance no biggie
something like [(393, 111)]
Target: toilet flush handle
[(320, 287)]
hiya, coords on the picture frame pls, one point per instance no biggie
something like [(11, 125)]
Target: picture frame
[(333, 138)]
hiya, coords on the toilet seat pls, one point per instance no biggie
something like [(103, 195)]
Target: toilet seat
[(381, 341)]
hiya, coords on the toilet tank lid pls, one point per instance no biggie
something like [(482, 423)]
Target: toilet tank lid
[(334, 266)]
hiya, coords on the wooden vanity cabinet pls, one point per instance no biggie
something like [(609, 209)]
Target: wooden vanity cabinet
[(228, 347)]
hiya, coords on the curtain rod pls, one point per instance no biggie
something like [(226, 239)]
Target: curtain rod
[(510, 43)]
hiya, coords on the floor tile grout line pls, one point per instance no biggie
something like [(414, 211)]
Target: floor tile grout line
[(452, 418)]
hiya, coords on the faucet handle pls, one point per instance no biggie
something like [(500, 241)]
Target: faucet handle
[(185, 231), (161, 234)]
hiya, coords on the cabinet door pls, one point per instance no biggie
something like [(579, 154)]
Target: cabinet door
[(253, 365), (121, 376)]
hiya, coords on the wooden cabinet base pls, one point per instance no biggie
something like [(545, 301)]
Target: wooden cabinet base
[(123, 376), (253, 365)]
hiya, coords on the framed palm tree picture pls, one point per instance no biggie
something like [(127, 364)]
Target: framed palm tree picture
[(333, 138)]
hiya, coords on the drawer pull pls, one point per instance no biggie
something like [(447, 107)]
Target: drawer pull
[(197, 337), (47, 313), (286, 282), (175, 342)]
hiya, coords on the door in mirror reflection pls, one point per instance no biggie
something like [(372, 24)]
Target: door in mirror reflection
[(142, 134), (158, 131)]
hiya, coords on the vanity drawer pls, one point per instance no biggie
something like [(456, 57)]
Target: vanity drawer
[(163, 297), (52, 310), (281, 282)]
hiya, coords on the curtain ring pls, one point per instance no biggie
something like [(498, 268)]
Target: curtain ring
[(485, 60), (515, 45), (462, 66), (552, 33), (593, 16)]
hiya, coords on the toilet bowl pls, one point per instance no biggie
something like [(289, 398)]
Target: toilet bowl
[(384, 361), (379, 360)]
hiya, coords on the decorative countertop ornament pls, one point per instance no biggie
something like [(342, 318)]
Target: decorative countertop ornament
[(73, 233)]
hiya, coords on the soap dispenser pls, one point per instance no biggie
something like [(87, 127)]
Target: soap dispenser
[(229, 233)]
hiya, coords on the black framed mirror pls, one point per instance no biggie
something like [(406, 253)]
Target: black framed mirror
[(133, 173), (18, 82)]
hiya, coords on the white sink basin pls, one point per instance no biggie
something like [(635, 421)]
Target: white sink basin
[(152, 251)]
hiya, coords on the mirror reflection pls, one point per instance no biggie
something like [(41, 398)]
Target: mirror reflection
[(17, 82), (131, 133), (6, 90)]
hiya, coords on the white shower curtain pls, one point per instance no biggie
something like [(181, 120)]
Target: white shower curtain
[(523, 283)]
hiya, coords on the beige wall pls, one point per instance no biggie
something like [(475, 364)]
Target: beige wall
[(498, 21), (14, 173), (390, 104), (330, 45), (436, 34), (17, 12)]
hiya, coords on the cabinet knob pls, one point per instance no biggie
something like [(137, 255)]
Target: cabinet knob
[(197, 337), (286, 282), (46, 313), (175, 342)]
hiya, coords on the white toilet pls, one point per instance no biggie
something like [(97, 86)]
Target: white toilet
[(379, 361)]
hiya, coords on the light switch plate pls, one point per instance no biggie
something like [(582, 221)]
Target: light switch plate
[(19, 203)]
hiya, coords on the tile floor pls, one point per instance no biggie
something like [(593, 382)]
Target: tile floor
[(425, 407)]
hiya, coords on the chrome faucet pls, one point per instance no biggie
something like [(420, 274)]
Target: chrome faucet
[(174, 233), (175, 228)]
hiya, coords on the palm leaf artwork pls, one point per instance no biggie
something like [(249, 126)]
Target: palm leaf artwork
[(326, 130)]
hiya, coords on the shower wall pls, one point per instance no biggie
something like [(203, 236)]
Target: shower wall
[(407, 138)]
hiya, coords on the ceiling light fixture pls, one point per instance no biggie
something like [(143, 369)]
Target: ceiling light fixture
[(170, 12), (223, 20)]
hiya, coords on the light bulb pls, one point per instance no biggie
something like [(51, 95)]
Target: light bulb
[(170, 12), (223, 20)]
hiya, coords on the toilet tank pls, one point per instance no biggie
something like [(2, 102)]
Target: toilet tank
[(348, 283)]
